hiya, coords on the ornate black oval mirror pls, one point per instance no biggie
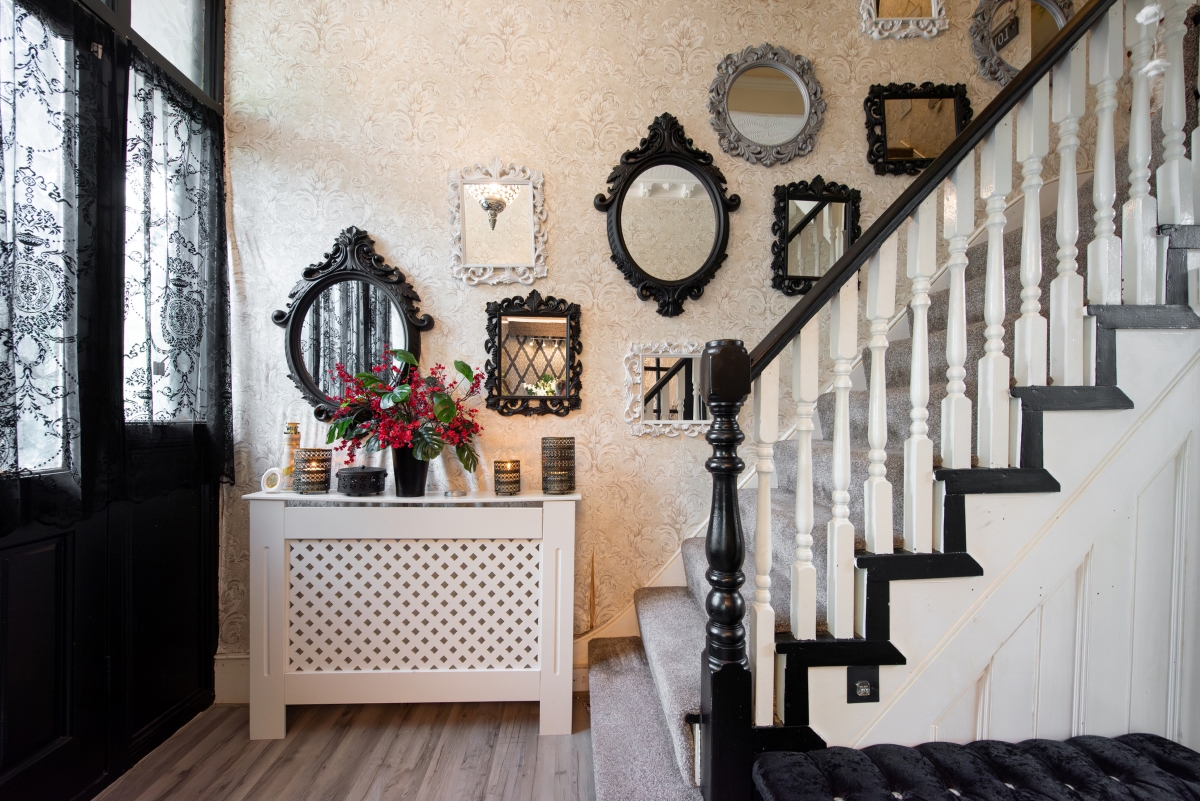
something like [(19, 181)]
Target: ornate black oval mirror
[(1008, 34), (815, 222), (668, 217), (347, 310), (533, 350)]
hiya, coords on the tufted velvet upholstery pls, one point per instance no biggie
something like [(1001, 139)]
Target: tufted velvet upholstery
[(1133, 767)]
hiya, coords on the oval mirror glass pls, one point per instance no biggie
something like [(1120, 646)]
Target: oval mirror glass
[(668, 222), (350, 323), (767, 105)]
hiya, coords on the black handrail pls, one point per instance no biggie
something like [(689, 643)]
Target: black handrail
[(926, 183)]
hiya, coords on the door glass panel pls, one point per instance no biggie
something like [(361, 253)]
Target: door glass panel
[(175, 28)]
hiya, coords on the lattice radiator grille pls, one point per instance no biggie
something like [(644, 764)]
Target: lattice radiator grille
[(413, 604)]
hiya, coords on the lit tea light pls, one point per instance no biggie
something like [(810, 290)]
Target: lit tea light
[(508, 476), (311, 471)]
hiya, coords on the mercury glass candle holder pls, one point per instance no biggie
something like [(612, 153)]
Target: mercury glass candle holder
[(558, 465), (508, 476), (312, 466)]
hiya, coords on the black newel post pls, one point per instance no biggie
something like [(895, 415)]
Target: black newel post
[(725, 749)]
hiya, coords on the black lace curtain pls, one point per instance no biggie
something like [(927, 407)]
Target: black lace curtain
[(114, 296)]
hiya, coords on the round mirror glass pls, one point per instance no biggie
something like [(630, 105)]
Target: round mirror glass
[(668, 222), (1021, 29), (350, 323), (767, 106)]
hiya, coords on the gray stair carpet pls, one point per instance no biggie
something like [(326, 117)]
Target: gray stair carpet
[(632, 755)]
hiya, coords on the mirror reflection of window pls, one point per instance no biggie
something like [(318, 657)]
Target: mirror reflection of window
[(671, 389), (534, 356), (766, 106), (510, 242), (918, 128), (350, 323), (821, 240), (904, 9), (668, 222)]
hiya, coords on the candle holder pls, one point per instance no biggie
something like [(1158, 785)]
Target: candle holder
[(310, 475), (558, 465), (508, 476)]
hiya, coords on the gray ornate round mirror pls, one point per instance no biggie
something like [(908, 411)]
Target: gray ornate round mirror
[(668, 222), (766, 105), (1008, 34)]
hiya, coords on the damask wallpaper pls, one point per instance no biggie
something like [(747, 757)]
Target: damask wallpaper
[(353, 112)]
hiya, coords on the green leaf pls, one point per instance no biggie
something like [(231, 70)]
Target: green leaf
[(404, 356), (332, 435), (387, 401), (368, 379), (444, 408), (401, 393), (467, 456), (427, 443), (465, 370)]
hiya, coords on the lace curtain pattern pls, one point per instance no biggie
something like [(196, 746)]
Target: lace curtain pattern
[(176, 287), (39, 204)]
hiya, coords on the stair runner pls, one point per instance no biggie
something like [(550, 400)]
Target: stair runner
[(664, 663)]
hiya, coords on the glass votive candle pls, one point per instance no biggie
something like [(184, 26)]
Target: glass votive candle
[(508, 476), (558, 465), (311, 468)]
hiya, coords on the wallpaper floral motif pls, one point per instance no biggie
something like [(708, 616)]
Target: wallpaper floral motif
[(353, 112)]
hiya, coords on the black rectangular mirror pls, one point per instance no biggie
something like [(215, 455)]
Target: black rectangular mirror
[(533, 356), (815, 222), (908, 126)]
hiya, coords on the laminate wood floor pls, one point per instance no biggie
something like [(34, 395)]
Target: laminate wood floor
[(373, 752)]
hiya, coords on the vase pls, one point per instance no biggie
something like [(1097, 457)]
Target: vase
[(410, 473)]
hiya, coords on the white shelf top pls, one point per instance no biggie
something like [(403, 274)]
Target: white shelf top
[(393, 500)]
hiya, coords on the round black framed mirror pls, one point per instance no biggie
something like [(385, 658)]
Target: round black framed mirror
[(347, 310), (668, 217)]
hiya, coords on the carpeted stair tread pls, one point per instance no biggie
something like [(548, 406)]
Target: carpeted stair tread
[(672, 628), (631, 748)]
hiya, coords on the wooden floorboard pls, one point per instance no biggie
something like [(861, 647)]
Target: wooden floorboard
[(372, 752)]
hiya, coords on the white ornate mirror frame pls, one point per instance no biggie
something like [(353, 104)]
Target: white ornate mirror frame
[(903, 27), (495, 172), (635, 389)]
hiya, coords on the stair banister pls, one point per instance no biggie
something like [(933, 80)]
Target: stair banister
[(839, 543), (828, 286), (762, 616), (1139, 218), (1174, 177), (1106, 57), (958, 219), (877, 490), (918, 448), (1066, 290), (1033, 143), (805, 358), (995, 182)]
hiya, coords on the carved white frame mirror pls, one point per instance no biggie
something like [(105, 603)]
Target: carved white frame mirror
[(662, 389), (903, 19), (497, 224)]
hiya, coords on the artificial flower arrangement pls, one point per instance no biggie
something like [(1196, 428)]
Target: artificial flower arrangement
[(394, 406), (546, 385)]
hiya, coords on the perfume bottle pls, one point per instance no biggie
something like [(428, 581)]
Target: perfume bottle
[(291, 441)]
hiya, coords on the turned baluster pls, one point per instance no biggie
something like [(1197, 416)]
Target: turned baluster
[(995, 182), (843, 345), (918, 448), (1066, 290), (762, 616), (1106, 61), (1139, 217), (880, 306), (1174, 177), (805, 357), (958, 222), (1033, 143)]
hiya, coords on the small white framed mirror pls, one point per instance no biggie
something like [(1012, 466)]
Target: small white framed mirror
[(497, 224), (903, 19), (662, 390)]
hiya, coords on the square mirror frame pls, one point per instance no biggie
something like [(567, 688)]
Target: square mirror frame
[(819, 190), (532, 306), (878, 27), (877, 122), (635, 390), (496, 172)]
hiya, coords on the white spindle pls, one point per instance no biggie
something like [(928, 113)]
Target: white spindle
[(843, 345), (805, 358), (877, 490), (1139, 217), (1033, 143), (1174, 177), (918, 448), (1107, 60), (762, 616), (995, 182), (958, 223), (1066, 290)]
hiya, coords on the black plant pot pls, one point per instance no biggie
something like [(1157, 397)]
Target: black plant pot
[(410, 473)]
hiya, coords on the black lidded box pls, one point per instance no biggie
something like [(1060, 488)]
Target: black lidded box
[(361, 480)]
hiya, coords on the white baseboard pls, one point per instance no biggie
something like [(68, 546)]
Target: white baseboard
[(232, 673)]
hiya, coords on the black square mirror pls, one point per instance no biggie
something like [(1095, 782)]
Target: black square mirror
[(815, 222), (908, 126), (533, 356)]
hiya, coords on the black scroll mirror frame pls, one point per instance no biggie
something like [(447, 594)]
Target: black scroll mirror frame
[(353, 258), (874, 107), (824, 193), (534, 305), (666, 143)]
